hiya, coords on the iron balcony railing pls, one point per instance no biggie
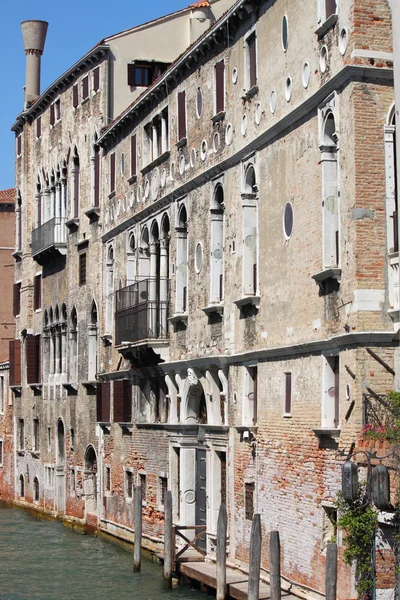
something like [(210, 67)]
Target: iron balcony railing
[(142, 311), (50, 234)]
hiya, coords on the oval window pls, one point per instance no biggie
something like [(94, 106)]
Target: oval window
[(288, 220), (285, 33), (199, 104), (199, 257)]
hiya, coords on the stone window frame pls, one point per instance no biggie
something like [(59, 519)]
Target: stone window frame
[(108, 492), (250, 89), (72, 479), (161, 475), (126, 495), (140, 475)]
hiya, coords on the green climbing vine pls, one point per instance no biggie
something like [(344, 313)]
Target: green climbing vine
[(359, 520)]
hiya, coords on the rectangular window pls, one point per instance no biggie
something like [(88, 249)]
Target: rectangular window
[(15, 362), (52, 114), (133, 156), (128, 484), (249, 500), (21, 434), (220, 87), (143, 486), (288, 394), (96, 176), (1, 453), (82, 268), (49, 439), (2, 393), (33, 359), (103, 402), (37, 292), (73, 480), (36, 441), (16, 299), (85, 87), (75, 95), (330, 400), (38, 127), (163, 487), (181, 115), (96, 79), (251, 60), (107, 479), (57, 105), (19, 145), (72, 439), (326, 9), (139, 75), (112, 173), (250, 396)]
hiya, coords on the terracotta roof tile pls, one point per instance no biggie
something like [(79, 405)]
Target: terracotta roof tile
[(7, 196)]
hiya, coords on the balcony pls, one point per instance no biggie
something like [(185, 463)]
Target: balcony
[(49, 240), (141, 316)]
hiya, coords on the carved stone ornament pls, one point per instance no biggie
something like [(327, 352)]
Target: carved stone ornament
[(192, 377), (190, 497)]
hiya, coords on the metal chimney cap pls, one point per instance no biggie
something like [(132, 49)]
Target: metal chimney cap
[(34, 34)]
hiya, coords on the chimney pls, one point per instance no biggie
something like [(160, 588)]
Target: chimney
[(34, 37)]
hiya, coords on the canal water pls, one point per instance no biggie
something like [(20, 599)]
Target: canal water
[(45, 560)]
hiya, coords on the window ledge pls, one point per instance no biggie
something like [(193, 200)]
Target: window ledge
[(17, 389), (72, 223), (178, 318), (246, 300), (17, 255), (157, 161), (324, 27), (250, 93), (37, 387), (181, 143), (132, 179), (327, 432), (213, 308), (330, 273), (106, 426), (218, 117), (126, 427), (93, 213)]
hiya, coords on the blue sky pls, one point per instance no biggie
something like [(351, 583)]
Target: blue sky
[(73, 30)]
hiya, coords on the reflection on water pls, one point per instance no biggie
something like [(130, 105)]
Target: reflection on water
[(45, 560)]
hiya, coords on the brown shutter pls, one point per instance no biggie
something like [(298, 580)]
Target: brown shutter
[(252, 60), (75, 96), (38, 358), (119, 401), (37, 292), (96, 79), (16, 299), (103, 402), (133, 155), (15, 362), (220, 86), (85, 87), (181, 115), (330, 8), (112, 172), (127, 400), (31, 359), (52, 114), (288, 393), (131, 74), (38, 127), (97, 176)]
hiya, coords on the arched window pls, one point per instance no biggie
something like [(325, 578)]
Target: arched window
[(73, 346), (36, 489), (392, 214), (63, 340), (164, 275), (92, 343), (250, 232), (21, 486), (60, 443), (18, 247), (95, 160), (38, 203), (330, 196), (109, 289), (217, 246), (75, 185), (144, 255), (181, 262), (131, 260)]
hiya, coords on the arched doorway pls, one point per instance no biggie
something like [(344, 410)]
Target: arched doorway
[(90, 480), (60, 468)]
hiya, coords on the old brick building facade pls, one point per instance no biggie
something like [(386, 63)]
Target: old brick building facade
[(209, 281)]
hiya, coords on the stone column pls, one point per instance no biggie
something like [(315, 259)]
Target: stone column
[(152, 310), (164, 272), (164, 134), (155, 141)]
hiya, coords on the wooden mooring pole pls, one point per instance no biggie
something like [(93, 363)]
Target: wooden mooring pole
[(331, 572), (168, 540), (275, 565), (221, 552), (137, 549), (255, 559)]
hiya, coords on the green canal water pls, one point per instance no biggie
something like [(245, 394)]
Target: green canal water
[(44, 560)]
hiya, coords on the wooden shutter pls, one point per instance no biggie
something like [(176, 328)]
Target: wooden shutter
[(37, 292), (52, 114), (133, 155), (15, 362), (220, 86), (38, 127), (85, 87), (251, 42), (288, 393), (97, 176), (127, 400), (16, 299), (75, 96), (31, 359), (38, 358), (131, 74), (103, 402), (181, 115), (96, 79), (112, 172), (119, 401), (330, 8)]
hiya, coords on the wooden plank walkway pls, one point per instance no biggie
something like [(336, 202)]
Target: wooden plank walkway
[(237, 582)]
